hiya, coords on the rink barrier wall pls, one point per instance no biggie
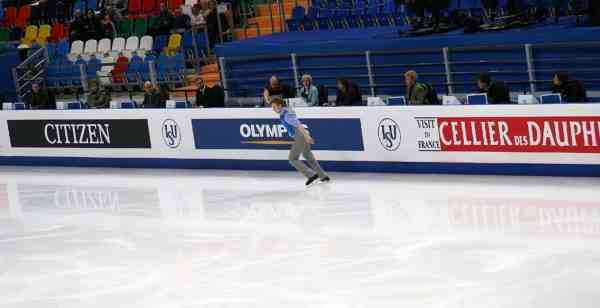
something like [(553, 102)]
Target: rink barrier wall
[(547, 140)]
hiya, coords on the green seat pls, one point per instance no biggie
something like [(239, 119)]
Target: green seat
[(140, 27), (4, 35), (153, 22), (124, 28)]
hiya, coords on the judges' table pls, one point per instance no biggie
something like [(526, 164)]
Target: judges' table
[(501, 139)]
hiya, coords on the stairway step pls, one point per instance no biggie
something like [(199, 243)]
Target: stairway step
[(265, 21), (252, 32)]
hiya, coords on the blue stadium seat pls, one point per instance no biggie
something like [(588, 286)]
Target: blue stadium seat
[(160, 42), (294, 25), (477, 99), (93, 66), (397, 101), (309, 22), (298, 13), (551, 99), (324, 20), (74, 105), (177, 104), (340, 19)]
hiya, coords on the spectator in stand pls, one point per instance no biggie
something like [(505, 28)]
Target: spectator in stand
[(99, 97), (61, 11), (571, 91), (209, 97), (77, 26), (165, 21), (308, 91), (108, 28), (497, 91), (212, 23), (181, 22), (276, 89), (153, 97), (40, 98), (348, 93), (197, 19), (416, 92)]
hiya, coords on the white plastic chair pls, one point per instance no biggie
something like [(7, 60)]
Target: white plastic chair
[(104, 73), (104, 46), (91, 47), (146, 44), (118, 45), (133, 42), (76, 50)]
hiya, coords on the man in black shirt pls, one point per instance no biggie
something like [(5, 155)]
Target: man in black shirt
[(153, 98), (277, 89), (497, 91), (571, 91), (209, 97), (40, 98)]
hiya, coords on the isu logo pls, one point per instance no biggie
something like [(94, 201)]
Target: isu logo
[(171, 134), (389, 134)]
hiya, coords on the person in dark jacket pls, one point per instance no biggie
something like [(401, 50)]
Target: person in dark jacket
[(153, 98), (571, 91), (348, 93), (165, 20), (497, 91), (40, 98), (181, 22), (209, 97), (277, 89)]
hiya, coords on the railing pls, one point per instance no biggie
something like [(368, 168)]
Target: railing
[(29, 71), (449, 69)]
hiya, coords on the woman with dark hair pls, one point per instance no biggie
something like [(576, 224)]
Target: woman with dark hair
[(571, 91), (348, 93)]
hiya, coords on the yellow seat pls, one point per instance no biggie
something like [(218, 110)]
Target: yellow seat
[(174, 44), (43, 34), (31, 34)]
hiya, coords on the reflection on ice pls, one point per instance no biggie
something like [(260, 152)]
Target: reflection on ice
[(231, 239)]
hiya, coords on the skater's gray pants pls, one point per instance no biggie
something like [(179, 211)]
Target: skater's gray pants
[(302, 147)]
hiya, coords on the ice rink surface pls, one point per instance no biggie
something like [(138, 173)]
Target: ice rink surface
[(80, 238)]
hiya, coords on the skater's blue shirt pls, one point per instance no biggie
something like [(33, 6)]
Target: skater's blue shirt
[(290, 121)]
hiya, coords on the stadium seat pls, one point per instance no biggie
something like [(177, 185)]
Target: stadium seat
[(201, 41), (145, 45), (551, 99), (162, 68), (174, 43), (76, 50), (57, 32), (91, 48), (298, 13), (135, 8), (4, 35), (149, 7), (93, 66), (31, 33), (140, 27), (174, 4), (10, 16), (92, 5), (477, 99), (134, 69), (104, 46), (23, 16), (124, 28), (119, 71), (62, 49), (310, 20), (118, 45), (324, 20), (132, 44), (43, 34), (122, 105), (172, 104)]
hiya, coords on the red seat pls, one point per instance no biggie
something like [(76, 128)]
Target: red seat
[(10, 16), (135, 8), (175, 4), (23, 16), (120, 69), (149, 7), (57, 33)]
